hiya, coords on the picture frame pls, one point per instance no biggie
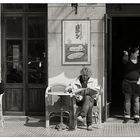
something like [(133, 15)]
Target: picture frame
[(76, 42)]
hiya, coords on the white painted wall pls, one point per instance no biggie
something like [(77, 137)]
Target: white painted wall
[(58, 12)]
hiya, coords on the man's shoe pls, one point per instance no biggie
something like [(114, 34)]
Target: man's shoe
[(126, 120), (136, 120), (89, 128), (81, 119)]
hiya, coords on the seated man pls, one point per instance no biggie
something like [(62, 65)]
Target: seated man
[(85, 90)]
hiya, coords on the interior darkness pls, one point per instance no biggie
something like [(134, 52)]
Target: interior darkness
[(125, 32)]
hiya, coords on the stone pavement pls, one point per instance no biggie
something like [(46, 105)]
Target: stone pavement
[(36, 128)]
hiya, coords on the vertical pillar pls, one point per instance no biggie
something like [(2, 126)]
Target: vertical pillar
[(0, 42)]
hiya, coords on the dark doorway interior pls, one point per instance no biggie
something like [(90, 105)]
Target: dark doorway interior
[(125, 32)]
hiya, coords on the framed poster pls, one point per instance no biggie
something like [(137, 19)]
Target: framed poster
[(76, 42)]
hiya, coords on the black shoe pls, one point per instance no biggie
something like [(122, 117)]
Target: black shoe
[(126, 120), (136, 120)]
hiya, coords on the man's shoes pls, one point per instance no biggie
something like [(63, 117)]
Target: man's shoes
[(126, 120), (89, 128), (136, 120), (81, 119)]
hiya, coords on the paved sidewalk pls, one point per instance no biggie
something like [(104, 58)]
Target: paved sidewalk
[(36, 128)]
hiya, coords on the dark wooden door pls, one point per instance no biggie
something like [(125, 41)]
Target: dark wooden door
[(24, 52)]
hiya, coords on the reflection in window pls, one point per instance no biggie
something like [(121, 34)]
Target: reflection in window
[(14, 74), (13, 7), (36, 26), (36, 62), (37, 7), (14, 64), (35, 72), (14, 26)]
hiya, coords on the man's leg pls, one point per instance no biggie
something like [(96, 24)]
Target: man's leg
[(87, 104), (86, 111), (89, 115)]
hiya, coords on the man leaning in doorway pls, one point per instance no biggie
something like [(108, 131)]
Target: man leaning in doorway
[(131, 83)]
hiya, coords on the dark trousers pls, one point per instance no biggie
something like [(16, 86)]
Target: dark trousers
[(131, 93), (86, 111)]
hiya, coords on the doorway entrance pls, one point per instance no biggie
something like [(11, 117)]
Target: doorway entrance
[(125, 33), (24, 64)]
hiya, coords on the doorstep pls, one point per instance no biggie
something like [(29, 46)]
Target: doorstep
[(23, 118)]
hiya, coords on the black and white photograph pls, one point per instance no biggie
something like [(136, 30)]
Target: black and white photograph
[(69, 69)]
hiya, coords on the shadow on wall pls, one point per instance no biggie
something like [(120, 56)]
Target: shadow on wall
[(61, 78), (58, 13), (69, 71), (65, 75)]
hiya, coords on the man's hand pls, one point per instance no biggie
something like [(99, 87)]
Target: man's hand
[(69, 90)]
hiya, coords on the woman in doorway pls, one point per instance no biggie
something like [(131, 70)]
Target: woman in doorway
[(131, 83)]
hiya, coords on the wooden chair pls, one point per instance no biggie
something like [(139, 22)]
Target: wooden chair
[(58, 104), (97, 111), (1, 111)]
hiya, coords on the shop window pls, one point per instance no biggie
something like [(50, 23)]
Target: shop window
[(14, 26), (14, 61)]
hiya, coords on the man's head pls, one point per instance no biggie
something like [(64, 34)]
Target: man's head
[(85, 73)]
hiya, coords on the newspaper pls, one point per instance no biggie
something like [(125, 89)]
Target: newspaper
[(94, 91)]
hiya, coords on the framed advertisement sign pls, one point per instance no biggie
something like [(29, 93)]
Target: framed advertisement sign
[(76, 42)]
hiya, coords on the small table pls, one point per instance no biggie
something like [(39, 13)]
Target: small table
[(60, 93), (61, 125)]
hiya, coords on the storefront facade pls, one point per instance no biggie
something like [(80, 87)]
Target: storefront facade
[(33, 53)]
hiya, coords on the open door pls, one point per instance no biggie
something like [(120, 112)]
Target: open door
[(121, 31), (107, 66)]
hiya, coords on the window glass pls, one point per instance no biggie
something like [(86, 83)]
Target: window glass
[(13, 7), (36, 27), (37, 7), (36, 61), (14, 61), (14, 27)]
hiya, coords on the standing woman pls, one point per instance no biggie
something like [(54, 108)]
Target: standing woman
[(131, 84)]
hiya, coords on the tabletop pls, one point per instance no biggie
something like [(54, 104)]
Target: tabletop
[(60, 93)]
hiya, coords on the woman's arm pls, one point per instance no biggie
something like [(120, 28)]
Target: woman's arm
[(125, 57)]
